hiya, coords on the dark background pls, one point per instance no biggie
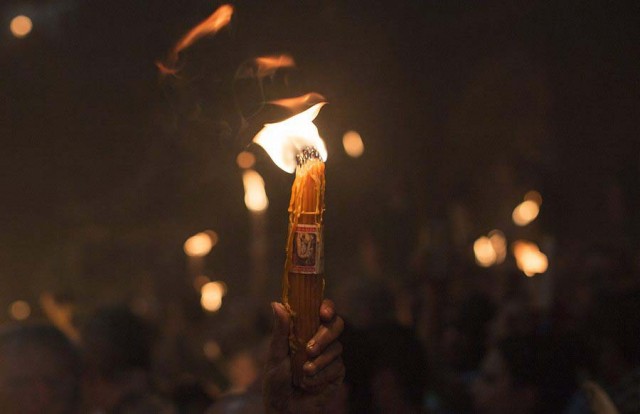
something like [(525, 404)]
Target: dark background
[(106, 168)]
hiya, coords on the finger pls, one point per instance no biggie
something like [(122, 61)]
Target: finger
[(327, 311), (326, 334), (333, 373), (316, 365), (279, 348)]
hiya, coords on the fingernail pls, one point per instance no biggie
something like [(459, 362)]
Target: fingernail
[(311, 344), (309, 367)]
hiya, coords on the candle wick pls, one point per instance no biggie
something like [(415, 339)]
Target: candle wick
[(307, 153)]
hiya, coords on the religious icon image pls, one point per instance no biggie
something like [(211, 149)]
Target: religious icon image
[(304, 249)]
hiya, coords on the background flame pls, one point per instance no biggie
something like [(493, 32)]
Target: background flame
[(263, 66), (211, 25)]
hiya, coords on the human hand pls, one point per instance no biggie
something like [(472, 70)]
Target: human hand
[(323, 372)]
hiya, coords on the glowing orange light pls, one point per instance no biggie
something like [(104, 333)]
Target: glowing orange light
[(534, 196), (353, 145), (255, 196), (283, 140), (212, 350), (200, 244), (212, 293), (216, 21), (263, 66), (21, 26), (525, 213), (19, 310), (499, 244), (484, 252), (529, 258), (245, 160)]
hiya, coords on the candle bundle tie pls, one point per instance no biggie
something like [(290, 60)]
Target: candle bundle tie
[(303, 281)]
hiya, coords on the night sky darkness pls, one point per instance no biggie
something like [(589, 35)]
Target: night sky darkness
[(106, 168)]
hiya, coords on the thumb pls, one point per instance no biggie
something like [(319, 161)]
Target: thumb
[(279, 348)]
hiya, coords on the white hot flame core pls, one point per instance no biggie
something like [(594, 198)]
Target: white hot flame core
[(284, 140)]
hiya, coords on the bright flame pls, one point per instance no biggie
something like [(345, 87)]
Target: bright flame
[(529, 258), (21, 26), (211, 25), (534, 196), (263, 66), (212, 293), (499, 244), (284, 140), (255, 196), (484, 252), (245, 160), (525, 213), (353, 145), (19, 310), (200, 244)]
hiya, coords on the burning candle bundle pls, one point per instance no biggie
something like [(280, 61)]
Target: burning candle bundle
[(303, 281), (294, 145)]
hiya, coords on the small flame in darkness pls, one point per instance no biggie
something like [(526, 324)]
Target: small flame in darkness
[(284, 140), (211, 25), (300, 103), (264, 66)]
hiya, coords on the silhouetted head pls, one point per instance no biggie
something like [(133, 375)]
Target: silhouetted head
[(39, 371)]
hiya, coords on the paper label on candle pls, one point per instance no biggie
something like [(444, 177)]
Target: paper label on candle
[(307, 253)]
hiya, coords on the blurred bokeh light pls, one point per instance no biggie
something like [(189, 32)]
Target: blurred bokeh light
[(255, 196), (499, 245), (212, 294), (529, 258), (245, 160), (200, 244), (484, 252), (21, 26), (525, 213), (353, 145), (19, 310)]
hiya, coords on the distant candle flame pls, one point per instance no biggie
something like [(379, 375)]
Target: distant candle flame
[(263, 66), (21, 26), (200, 245), (352, 143), (255, 196), (529, 258), (284, 140), (525, 213), (211, 296), (484, 252), (499, 244), (211, 25)]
